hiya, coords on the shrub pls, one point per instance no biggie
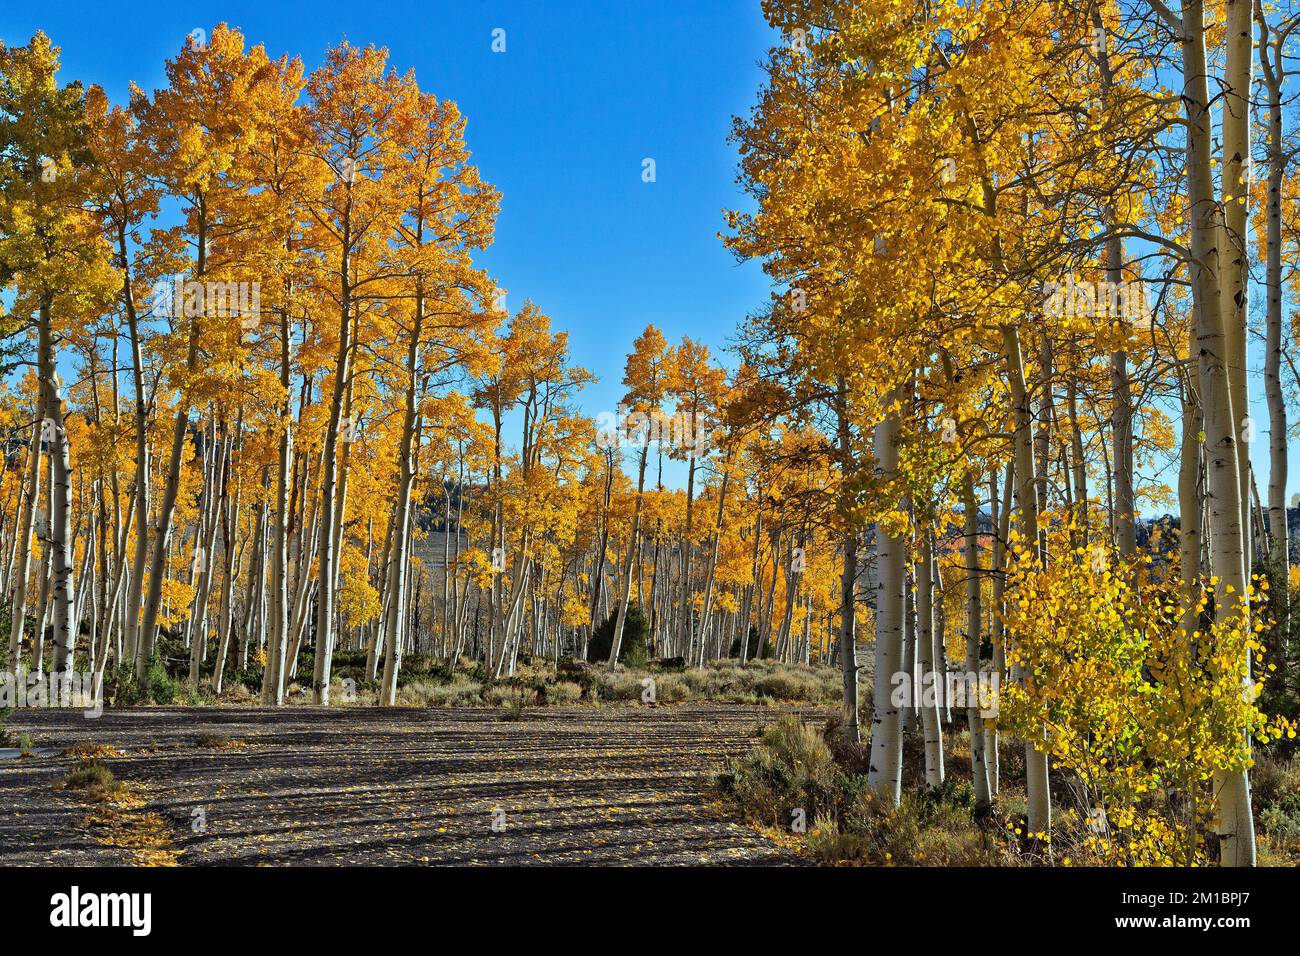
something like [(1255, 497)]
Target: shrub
[(306, 667), (513, 698), (421, 668), (791, 769), (237, 692), (670, 689), (753, 649), (1277, 806), (504, 695), (92, 776), (794, 768), (563, 692), (788, 684), (1121, 696), (616, 685), (249, 676), (632, 652), (461, 692), (159, 686)]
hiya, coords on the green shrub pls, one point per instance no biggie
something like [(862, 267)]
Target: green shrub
[(460, 692), (632, 652), (422, 668), (513, 699), (788, 684), (753, 650), (305, 673), (159, 686), (505, 695), (250, 675), (1276, 783)]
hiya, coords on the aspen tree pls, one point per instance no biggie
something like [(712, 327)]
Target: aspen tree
[(354, 104), (51, 250), (645, 376)]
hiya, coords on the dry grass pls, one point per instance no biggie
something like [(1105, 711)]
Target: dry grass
[(795, 782), (87, 751), (1276, 783), (94, 779), (762, 682)]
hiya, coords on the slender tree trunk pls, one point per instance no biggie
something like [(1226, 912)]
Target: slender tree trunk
[(1037, 786), (884, 775), (930, 727), (1271, 60), (273, 682), (23, 570), (60, 542), (974, 619), (395, 620), (1223, 474)]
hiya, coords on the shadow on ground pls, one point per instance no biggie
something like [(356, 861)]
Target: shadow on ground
[(313, 786)]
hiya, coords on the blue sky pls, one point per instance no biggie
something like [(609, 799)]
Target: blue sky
[(560, 123)]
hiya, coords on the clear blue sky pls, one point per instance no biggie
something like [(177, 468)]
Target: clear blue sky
[(560, 123)]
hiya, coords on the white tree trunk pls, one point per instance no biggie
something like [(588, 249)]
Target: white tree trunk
[(885, 772)]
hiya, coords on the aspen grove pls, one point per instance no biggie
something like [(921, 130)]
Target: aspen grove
[(265, 410)]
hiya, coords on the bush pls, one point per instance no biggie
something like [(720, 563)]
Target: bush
[(92, 776), (632, 652), (791, 769), (670, 689), (1276, 785), (461, 692), (616, 685), (514, 699), (238, 693), (250, 676), (505, 695), (563, 692), (794, 768), (306, 668), (159, 686), (753, 649), (417, 668), (788, 685)]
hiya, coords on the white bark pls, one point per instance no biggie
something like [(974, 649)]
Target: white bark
[(884, 774)]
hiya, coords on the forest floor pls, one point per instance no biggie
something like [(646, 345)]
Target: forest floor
[(360, 785)]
